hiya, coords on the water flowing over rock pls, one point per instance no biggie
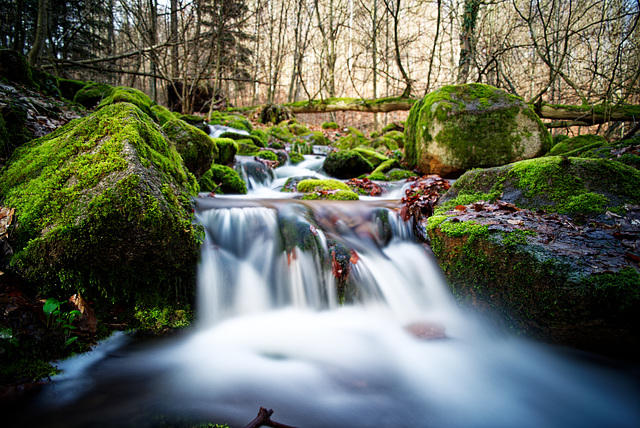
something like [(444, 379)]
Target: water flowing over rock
[(272, 332)]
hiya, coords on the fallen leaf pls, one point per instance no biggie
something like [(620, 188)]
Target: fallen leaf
[(354, 257)]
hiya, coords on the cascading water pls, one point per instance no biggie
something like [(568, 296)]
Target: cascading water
[(271, 332)]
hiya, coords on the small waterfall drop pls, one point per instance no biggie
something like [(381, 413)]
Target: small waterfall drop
[(331, 315)]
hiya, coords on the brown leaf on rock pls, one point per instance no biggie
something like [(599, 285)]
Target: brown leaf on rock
[(354, 257)]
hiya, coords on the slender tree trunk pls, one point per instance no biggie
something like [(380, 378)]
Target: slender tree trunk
[(433, 49), (36, 49), (467, 39)]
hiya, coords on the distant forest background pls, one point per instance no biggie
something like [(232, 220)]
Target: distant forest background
[(206, 54)]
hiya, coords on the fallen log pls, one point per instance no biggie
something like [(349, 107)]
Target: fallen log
[(569, 115)]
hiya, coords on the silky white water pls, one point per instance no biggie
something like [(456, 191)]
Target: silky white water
[(275, 328)]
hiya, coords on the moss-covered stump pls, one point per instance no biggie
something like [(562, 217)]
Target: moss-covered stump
[(549, 245), (272, 114), (103, 207), (460, 127), (346, 164), (222, 179), (197, 149)]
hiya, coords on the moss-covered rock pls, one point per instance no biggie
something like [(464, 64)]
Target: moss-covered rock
[(197, 149), (346, 164), (330, 125), (103, 207), (326, 189), (567, 145), (227, 149), (222, 179), (574, 186), (558, 277), (372, 156), (461, 127), (92, 94), (69, 87), (295, 158), (124, 94)]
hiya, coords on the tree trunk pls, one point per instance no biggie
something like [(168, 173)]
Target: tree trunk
[(467, 39), (36, 49)]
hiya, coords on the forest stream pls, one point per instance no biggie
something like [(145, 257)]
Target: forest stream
[(270, 332)]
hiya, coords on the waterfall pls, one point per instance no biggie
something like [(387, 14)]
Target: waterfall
[(330, 314)]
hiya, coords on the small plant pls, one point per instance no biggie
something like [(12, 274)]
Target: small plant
[(60, 320)]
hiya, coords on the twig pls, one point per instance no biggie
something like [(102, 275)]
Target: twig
[(264, 420)]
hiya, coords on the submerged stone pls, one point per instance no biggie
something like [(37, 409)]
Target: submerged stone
[(461, 127)]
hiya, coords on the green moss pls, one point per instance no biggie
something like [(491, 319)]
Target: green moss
[(262, 136), (477, 126), (572, 186), (295, 158), (338, 195), (346, 164), (163, 114), (197, 149), (386, 166), (400, 174), (123, 94), (311, 185), (247, 148), (372, 156), (330, 125), (69, 87), (227, 149), (159, 319), (222, 179), (378, 176), (268, 155), (580, 142), (620, 290), (92, 94), (78, 204)]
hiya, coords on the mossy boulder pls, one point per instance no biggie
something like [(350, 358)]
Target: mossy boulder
[(460, 127), (346, 164), (581, 142), (227, 149), (372, 156), (330, 125), (195, 120), (326, 189), (222, 179), (124, 94), (197, 149), (539, 243), (92, 94), (103, 208)]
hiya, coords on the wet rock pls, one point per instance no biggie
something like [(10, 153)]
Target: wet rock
[(550, 248)]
